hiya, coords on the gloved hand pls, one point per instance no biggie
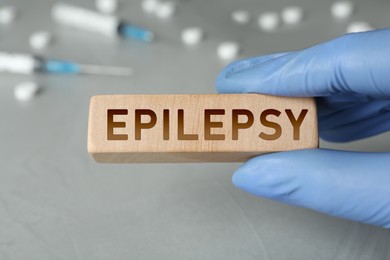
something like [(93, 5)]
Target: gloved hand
[(350, 76)]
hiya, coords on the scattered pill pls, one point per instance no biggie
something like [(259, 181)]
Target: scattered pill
[(7, 14), (26, 90), (150, 6), (269, 21), (342, 9), (40, 40), (228, 50), (106, 6), (292, 15), (165, 10), (359, 26), (192, 35), (241, 16)]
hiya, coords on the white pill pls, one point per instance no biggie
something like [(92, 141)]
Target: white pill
[(192, 35), (150, 6), (7, 14), (26, 90), (106, 6), (165, 10), (359, 26), (228, 50), (40, 40), (342, 9), (292, 15), (269, 21), (241, 16)]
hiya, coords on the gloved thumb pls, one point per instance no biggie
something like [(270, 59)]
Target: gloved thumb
[(355, 63), (344, 184)]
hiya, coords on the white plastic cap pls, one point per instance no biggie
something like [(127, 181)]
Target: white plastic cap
[(269, 21), (342, 9), (150, 6), (292, 15), (241, 16), (40, 40), (165, 10), (228, 50), (192, 35), (7, 14), (26, 90)]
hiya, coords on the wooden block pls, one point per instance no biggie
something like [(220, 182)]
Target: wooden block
[(198, 128)]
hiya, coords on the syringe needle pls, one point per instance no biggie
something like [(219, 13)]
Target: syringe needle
[(105, 70)]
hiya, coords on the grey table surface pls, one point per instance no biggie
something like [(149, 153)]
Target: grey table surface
[(56, 203)]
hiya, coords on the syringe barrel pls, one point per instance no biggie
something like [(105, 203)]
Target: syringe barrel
[(85, 19), (18, 63)]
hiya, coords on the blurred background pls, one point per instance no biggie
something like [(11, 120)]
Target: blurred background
[(57, 203)]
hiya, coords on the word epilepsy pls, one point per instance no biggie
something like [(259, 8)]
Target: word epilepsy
[(240, 119)]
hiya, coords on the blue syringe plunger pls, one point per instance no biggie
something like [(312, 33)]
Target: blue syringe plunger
[(127, 30), (60, 66)]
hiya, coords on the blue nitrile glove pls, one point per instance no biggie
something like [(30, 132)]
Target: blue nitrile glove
[(350, 76)]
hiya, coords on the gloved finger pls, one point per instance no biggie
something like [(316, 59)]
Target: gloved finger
[(344, 184), (355, 63), (336, 103), (250, 62), (355, 131), (356, 122)]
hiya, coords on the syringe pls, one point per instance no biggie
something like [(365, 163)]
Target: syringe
[(96, 22), (29, 64)]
